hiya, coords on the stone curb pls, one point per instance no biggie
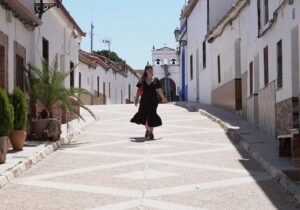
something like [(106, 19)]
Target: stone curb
[(39, 156), (276, 173)]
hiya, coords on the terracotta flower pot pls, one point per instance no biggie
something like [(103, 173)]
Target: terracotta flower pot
[(46, 129), (3, 149), (17, 139)]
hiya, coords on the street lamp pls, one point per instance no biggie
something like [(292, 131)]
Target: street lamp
[(40, 8), (177, 33)]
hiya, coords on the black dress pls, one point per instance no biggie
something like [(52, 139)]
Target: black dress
[(148, 105)]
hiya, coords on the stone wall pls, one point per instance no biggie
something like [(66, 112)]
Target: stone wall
[(287, 116), (266, 106)]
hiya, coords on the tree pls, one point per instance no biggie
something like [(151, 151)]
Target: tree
[(112, 55), (46, 86)]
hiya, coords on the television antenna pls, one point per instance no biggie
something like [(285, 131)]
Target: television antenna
[(107, 42)]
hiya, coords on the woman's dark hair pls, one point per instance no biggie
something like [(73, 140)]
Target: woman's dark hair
[(145, 72)]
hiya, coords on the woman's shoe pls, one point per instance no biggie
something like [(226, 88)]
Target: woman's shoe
[(147, 134), (151, 136)]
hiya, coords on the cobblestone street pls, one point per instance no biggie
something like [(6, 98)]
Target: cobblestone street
[(191, 165)]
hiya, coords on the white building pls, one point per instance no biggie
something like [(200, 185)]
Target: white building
[(17, 25), (255, 63), (197, 17), (108, 82), (27, 39), (166, 68)]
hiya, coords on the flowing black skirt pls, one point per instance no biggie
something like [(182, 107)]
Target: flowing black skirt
[(147, 113)]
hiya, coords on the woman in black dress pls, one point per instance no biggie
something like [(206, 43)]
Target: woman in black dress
[(148, 88)]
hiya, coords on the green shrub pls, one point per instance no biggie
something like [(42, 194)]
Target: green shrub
[(18, 101), (6, 114)]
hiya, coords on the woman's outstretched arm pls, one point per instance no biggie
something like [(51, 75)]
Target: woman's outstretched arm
[(162, 95), (137, 98)]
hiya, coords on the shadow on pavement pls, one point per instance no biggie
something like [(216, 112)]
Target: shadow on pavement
[(74, 145), (276, 194), (142, 139)]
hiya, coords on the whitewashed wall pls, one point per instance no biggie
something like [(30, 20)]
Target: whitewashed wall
[(224, 46), (57, 29), (15, 31), (217, 9), (197, 30), (118, 83), (131, 80)]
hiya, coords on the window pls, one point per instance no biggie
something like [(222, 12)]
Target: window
[(204, 54), (279, 64), (191, 67), (20, 72), (109, 90), (46, 50), (129, 92), (219, 69), (266, 65), (266, 10), (79, 76), (251, 78), (98, 87), (104, 89), (173, 61), (72, 75), (157, 61)]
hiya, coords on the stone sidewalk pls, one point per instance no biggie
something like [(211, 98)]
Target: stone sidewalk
[(262, 147), (17, 162), (191, 165)]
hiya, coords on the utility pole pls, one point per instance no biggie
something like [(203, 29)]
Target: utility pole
[(92, 37)]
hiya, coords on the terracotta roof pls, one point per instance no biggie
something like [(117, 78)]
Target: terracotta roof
[(231, 15), (84, 58), (92, 59), (106, 63), (70, 18), (22, 12), (188, 9)]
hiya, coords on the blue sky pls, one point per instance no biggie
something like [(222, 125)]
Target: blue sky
[(134, 26)]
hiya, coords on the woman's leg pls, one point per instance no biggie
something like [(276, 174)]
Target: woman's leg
[(151, 129), (151, 135)]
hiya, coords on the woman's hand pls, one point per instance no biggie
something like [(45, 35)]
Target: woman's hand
[(136, 101), (164, 101)]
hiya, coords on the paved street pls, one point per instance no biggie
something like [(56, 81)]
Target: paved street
[(191, 165)]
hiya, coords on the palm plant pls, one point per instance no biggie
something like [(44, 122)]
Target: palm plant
[(46, 86)]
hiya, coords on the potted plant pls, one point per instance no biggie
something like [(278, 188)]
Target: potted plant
[(48, 93), (6, 123), (18, 135)]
